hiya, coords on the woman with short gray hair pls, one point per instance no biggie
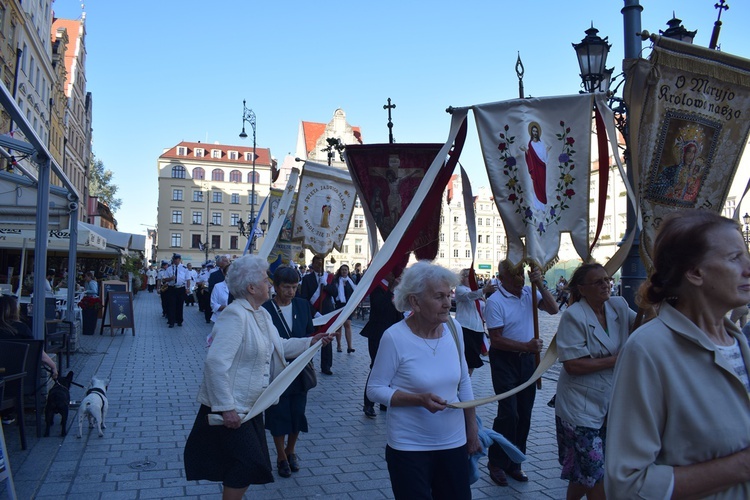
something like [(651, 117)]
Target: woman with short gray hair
[(418, 371), (242, 361)]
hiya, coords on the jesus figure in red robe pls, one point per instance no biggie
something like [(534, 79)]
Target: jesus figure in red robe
[(536, 160)]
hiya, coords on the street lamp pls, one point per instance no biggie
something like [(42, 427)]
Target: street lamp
[(248, 115), (746, 232), (677, 31), (592, 54), (205, 245), (246, 229)]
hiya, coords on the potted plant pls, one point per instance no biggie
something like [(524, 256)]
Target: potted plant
[(90, 306)]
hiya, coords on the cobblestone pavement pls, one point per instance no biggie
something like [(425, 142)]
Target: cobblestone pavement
[(154, 380)]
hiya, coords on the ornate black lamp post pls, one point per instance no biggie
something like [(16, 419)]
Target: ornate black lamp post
[(746, 232), (592, 54), (248, 115)]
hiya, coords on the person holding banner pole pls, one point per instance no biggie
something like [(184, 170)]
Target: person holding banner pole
[(509, 317), (317, 287)]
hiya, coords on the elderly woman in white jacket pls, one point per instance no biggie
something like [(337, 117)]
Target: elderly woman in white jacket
[(244, 357)]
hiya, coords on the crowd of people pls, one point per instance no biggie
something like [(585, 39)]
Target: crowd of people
[(619, 434)]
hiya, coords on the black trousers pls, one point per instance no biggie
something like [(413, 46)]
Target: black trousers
[(326, 357), (439, 474), (164, 302), (203, 300), (513, 420), (175, 303), (373, 343)]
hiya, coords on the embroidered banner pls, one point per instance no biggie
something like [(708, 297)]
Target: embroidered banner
[(281, 249), (387, 176), (537, 155), (688, 130), (325, 203)]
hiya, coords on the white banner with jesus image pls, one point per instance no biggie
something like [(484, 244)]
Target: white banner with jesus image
[(537, 154)]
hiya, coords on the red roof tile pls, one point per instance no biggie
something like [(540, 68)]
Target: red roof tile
[(264, 154)]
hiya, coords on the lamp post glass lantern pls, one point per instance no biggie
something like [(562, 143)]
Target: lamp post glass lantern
[(248, 116), (746, 231), (592, 54)]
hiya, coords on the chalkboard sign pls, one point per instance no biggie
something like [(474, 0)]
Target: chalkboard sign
[(112, 286), (120, 307)]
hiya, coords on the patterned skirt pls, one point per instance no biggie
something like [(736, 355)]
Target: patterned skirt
[(580, 453)]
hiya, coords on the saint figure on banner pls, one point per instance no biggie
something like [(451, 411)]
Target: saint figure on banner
[(536, 161), (326, 213)]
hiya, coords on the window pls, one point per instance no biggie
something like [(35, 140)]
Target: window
[(216, 196), (455, 236), (199, 174), (358, 246), (345, 248), (442, 254), (215, 241), (234, 219), (216, 218), (198, 152), (177, 195), (480, 236), (479, 220), (215, 153), (442, 237), (181, 151), (178, 172), (198, 196), (250, 177), (233, 240), (252, 198), (487, 221), (217, 174), (195, 241), (235, 176), (468, 254), (235, 199), (499, 239), (233, 155), (455, 219), (176, 216), (248, 157), (498, 222), (176, 240), (359, 221), (197, 217), (455, 253)]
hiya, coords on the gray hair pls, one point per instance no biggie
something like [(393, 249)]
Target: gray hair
[(419, 278), (247, 270)]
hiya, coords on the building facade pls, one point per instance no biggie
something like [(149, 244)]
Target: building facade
[(207, 199)]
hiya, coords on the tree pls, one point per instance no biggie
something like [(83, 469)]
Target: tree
[(101, 185)]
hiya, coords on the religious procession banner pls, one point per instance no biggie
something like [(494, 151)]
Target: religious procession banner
[(325, 203), (537, 155), (278, 247), (688, 108), (387, 176)]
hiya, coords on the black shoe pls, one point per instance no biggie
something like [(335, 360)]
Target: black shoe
[(284, 470), (171, 326), (497, 475), (293, 462), (383, 408), (369, 411), (208, 321), (349, 351), (326, 372), (338, 349), (179, 324), (518, 475)]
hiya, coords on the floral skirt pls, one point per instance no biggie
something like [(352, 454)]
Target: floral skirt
[(580, 453)]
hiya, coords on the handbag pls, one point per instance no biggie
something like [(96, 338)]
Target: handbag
[(307, 375)]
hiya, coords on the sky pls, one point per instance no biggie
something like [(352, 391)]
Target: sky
[(166, 71)]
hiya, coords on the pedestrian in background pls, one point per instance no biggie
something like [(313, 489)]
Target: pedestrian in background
[(469, 309)]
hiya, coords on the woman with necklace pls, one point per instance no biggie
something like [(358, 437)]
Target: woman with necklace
[(292, 317), (592, 331), (418, 371)]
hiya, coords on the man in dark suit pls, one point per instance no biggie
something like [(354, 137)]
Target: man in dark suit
[(317, 287)]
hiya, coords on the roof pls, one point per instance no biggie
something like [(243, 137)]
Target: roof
[(314, 130), (264, 154)]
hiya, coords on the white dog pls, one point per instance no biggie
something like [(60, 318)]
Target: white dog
[(94, 406)]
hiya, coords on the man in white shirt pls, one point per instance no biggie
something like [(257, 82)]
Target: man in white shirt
[(510, 322), (177, 278)]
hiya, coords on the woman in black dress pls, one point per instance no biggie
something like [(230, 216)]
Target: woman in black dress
[(292, 317)]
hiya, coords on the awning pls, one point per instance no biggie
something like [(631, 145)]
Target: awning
[(88, 239)]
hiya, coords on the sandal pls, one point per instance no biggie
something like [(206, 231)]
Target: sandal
[(284, 470), (293, 462)]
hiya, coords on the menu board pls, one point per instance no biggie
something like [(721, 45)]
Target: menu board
[(120, 307)]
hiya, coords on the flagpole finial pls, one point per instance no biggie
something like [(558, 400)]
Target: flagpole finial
[(389, 107), (519, 73)]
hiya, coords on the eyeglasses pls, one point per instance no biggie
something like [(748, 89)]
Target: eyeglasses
[(599, 282)]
